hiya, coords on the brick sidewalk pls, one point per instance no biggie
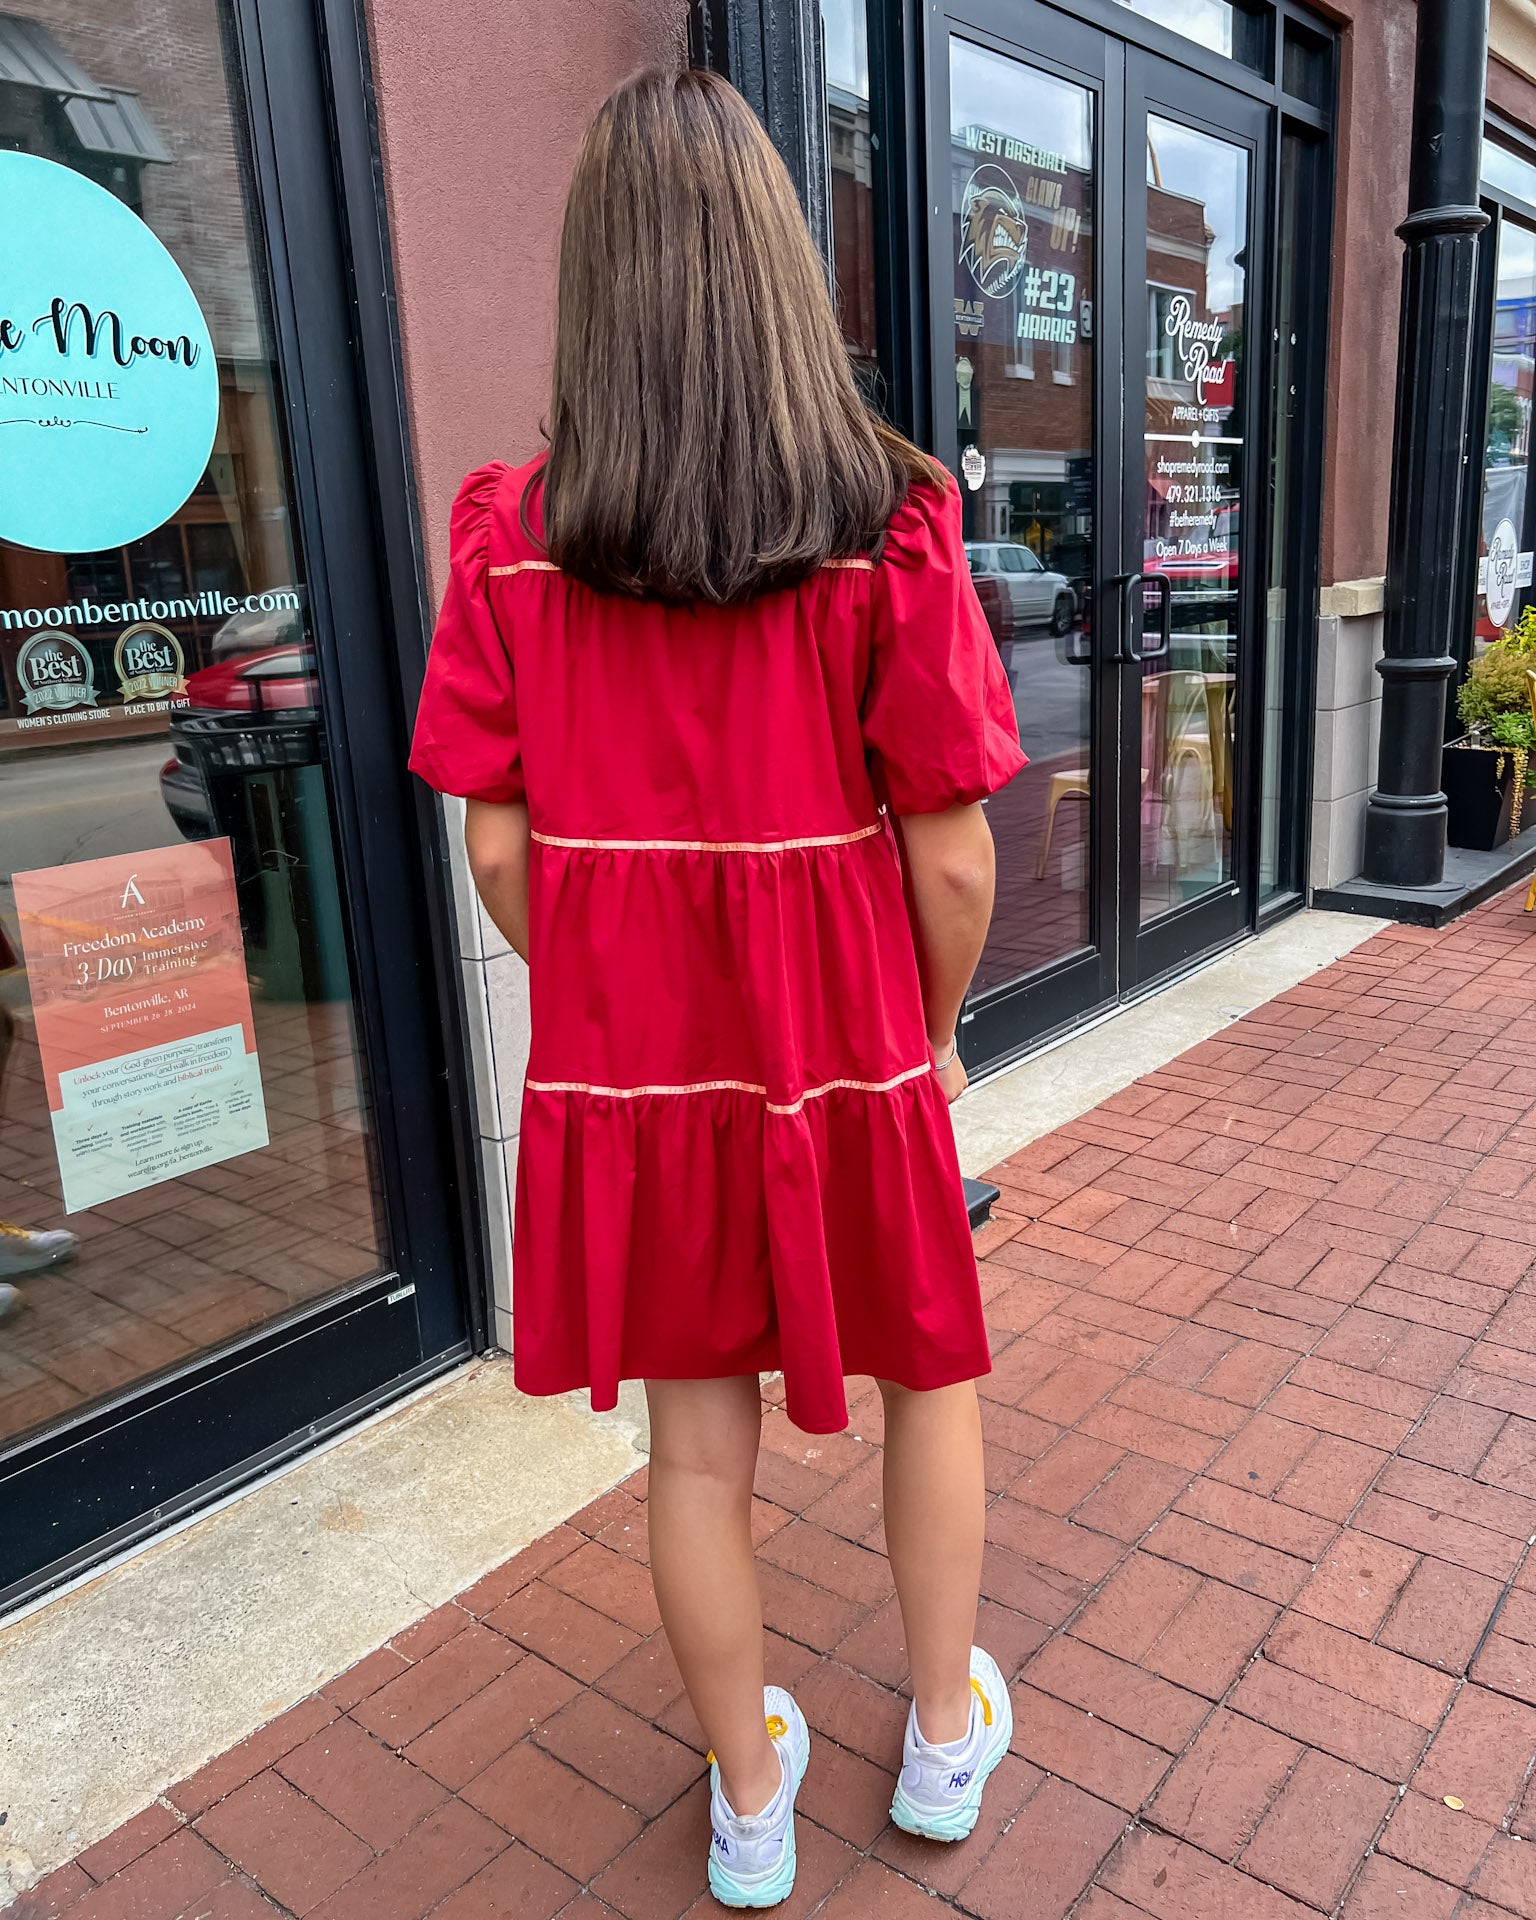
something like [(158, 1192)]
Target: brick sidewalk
[(1262, 1441)]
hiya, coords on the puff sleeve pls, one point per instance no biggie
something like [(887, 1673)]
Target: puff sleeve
[(938, 720), (466, 739)]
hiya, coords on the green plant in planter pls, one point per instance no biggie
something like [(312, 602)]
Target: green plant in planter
[(1514, 730), (1496, 685), (1494, 703)]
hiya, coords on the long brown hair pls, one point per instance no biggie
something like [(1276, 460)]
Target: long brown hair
[(707, 441)]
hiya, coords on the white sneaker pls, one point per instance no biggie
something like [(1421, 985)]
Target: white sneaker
[(24, 1252), (939, 1792), (10, 1300), (752, 1861)]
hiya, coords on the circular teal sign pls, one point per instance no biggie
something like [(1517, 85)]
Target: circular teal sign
[(109, 393)]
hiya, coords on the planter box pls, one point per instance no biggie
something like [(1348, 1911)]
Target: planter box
[(1479, 785)]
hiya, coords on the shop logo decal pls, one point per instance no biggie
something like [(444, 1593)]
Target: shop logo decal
[(109, 390), (56, 673), (1503, 571), (994, 236), (150, 663), (1195, 341)]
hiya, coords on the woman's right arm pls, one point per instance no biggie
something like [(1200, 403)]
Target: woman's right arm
[(951, 872), (496, 840)]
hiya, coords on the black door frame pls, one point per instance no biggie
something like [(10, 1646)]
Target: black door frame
[(1295, 558), (125, 1468), (1066, 990), (1016, 1018)]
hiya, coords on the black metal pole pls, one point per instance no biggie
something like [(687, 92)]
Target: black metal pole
[(771, 52), (1405, 816)]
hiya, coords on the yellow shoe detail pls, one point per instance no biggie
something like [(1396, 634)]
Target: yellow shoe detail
[(778, 1726), (986, 1704)]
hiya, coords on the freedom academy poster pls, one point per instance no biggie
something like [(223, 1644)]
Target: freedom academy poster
[(137, 973)]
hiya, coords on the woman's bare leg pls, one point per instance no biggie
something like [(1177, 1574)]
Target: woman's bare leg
[(704, 1441), (935, 1510)]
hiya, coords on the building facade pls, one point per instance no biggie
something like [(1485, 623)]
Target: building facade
[(1129, 267)]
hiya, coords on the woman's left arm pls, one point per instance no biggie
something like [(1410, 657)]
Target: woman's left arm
[(496, 840)]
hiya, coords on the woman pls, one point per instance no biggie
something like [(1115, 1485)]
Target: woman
[(699, 671)]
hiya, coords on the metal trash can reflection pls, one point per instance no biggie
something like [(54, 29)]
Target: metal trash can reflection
[(264, 778)]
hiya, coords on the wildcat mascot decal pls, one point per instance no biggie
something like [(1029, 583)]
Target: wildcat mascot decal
[(994, 237)]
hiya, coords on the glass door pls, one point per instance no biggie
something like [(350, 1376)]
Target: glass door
[(1190, 645), (1092, 393), (1020, 413)]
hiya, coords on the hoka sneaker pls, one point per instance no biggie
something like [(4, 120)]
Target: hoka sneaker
[(23, 1252), (752, 1861), (939, 1792)]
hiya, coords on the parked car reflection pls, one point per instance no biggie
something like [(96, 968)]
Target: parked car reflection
[(251, 632), (1017, 592)]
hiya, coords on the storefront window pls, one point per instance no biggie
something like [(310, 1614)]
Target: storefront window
[(1508, 520), (1240, 32), (851, 153), (1307, 65), (185, 1129), (1023, 187), (1509, 172)]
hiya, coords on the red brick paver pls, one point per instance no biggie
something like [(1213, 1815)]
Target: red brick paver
[(1262, 1451)]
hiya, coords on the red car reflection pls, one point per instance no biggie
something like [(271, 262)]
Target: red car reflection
[(274, 681), (1217, 566)]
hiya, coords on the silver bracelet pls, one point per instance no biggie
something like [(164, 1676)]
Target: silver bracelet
[(951, 1057)]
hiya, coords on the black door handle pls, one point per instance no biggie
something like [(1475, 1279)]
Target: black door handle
[(1164, 645), (1130, 655)]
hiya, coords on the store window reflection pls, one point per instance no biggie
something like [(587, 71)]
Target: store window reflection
[(193, 745), (1196, 271), (1022, 183), (1236, 28), (851, 156)]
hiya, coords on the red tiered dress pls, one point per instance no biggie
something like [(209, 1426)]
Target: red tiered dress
[(734, 1154)]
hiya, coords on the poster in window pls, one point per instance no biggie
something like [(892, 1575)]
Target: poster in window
[(136, 966)]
